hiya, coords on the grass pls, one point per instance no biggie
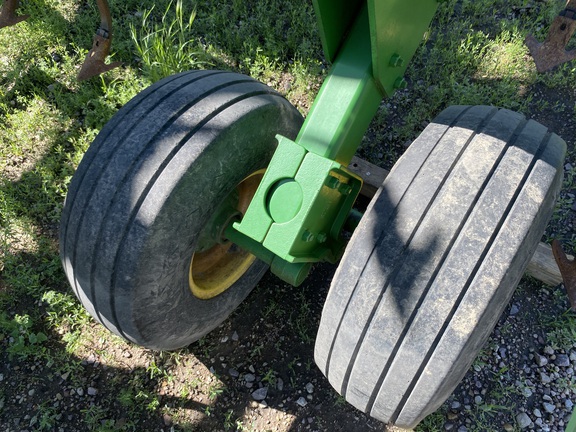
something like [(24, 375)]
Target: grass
[(168, 46), (473, 55)]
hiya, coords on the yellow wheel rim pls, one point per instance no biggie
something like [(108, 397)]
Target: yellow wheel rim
[(215, 270)]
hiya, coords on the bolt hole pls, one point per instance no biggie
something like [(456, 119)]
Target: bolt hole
[(563, 27)]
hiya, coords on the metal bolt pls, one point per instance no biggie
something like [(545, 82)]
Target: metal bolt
[(332, 182), (344, 189), (322, 237), (396, 61), (307, 236), (400, 83)]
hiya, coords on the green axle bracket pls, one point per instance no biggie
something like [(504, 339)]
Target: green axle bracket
[(307, 193)]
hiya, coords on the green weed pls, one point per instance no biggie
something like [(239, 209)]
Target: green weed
[(167, 47), (23, 340)]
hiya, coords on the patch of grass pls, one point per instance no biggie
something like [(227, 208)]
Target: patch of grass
[(561, 330), (167, 47)]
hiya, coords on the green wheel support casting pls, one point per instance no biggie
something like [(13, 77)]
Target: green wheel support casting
[(435, 260), (141, 232)]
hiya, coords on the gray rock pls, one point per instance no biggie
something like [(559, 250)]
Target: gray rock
[(562, 360), (568, 404), (545, 379), (280, 384), (448, 426), (526, 392), (548, 407), (249, 377), (523, 420), (233, 373), (549, 350), (235, 337), (260, 394), (514, 309), (310, 388), (302, 401), (540, 360), (92, 391), (537, 412), (455, 405)]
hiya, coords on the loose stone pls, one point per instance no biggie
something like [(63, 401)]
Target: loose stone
[(233, 373), (545, 379), (310, 388), (249, 377), (540, 360), (260, 394), (523, 420), (562, 360), (549, 407), (302, 401)]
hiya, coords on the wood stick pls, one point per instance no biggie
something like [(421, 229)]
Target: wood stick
[(542, 266)]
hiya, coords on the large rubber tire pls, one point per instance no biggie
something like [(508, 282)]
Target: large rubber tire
[(146, 188), (435, 260)]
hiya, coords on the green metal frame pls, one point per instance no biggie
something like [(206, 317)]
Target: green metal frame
[(307, 193)]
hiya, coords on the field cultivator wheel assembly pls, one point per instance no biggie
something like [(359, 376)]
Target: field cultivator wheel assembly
[(207, 178)]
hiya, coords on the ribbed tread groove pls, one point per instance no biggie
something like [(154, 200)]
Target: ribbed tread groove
[(94, 152), (398, 269), (151, 182), (474, 271), (128, 171)]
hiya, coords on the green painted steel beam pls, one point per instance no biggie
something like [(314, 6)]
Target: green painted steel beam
[(335, 17), (347, 100), (397, 28)]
